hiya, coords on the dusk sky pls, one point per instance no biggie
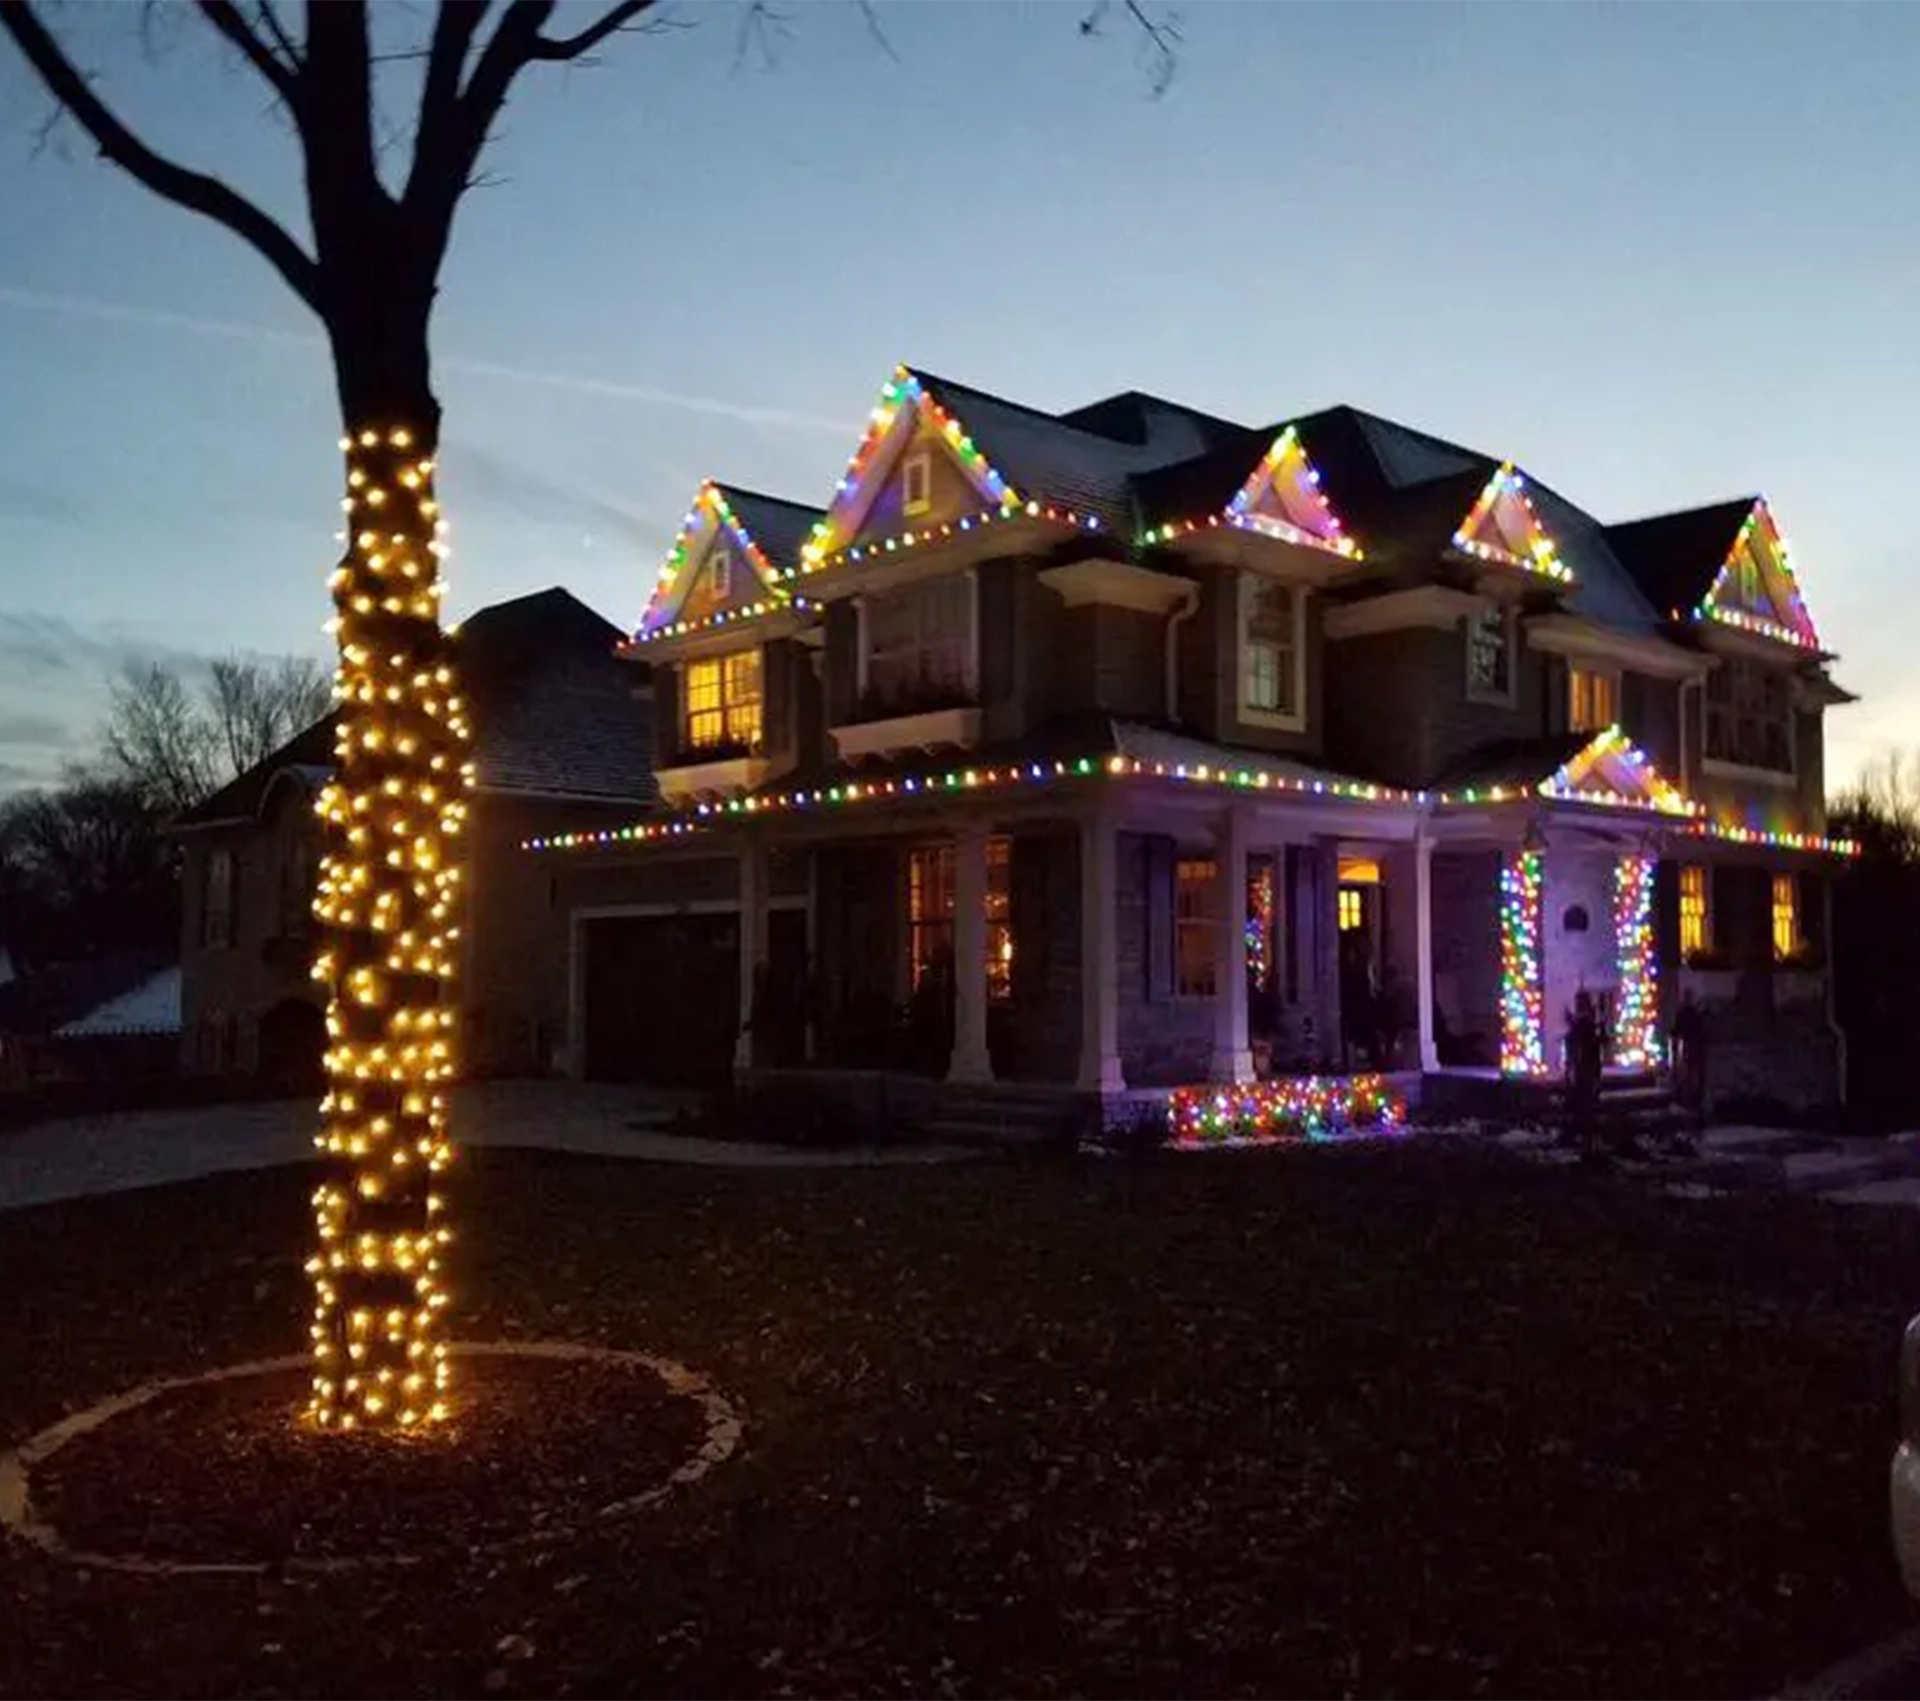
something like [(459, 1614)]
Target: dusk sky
[(1658, 255)]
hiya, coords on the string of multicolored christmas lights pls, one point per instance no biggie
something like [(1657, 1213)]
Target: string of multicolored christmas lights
[(1541, 557), (924, 536), (1636, 1006), (904, 401), (711, 509), (1777, 565), (1226, 777), (1286, 472), (1267, 1113), (1522, 1044), (1650, 790), (1261, 904), (387, 904)]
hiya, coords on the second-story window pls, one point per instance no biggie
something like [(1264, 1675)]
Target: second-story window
[(916, 483), (1490, 654), (1749, 715), (1593, 699), (723, 701), (1271, 651), (919, 646), (217, 900)]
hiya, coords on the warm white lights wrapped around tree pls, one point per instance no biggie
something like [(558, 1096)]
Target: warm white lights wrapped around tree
[(388, 907)]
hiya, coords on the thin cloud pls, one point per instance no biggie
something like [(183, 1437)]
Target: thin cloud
[(87, 307)]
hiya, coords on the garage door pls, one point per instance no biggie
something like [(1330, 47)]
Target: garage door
[(662, 998)]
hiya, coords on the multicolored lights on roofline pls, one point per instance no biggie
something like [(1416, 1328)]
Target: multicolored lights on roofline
[(710, 507), (1224, 777), (1519, 539), (1628, 780), (1285, 480), (1760, 541), (923, 536), (904, 402)]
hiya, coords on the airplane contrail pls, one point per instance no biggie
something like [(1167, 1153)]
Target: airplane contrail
[(87, 307)]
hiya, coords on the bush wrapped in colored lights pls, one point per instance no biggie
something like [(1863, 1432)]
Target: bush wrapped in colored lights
[(1268, 1113)]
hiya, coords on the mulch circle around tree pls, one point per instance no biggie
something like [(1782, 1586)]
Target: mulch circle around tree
[(225, 1473)]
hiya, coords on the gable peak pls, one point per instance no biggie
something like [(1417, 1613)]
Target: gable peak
[(1503, 527)]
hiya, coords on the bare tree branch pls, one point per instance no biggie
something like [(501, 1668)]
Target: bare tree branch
[(875, 29), (192, 190), (584, 41), (225, 17), (270, 22), (1160, 39)]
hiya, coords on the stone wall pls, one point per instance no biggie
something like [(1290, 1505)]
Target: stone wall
[(1466, 953), (1576, 926)]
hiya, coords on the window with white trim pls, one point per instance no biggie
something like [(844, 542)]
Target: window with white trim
[(1490, 654), (919, 645), (931, 893), (916, 483), (1272, 654), (1749, 715), (723, 701), (1593, 698)]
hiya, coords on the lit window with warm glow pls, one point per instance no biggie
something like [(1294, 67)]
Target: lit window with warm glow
[(1593, 699), (723, 701), (1696, 910), (1786, 918), (1195, 951), (931, 894), (1353, 909)]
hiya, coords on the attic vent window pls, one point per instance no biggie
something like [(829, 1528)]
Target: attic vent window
[(916, 483), (720, 572)]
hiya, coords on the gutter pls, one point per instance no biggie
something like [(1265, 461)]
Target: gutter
[(1189, 607)]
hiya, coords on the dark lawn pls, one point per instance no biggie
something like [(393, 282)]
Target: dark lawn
[(1406, 1421)]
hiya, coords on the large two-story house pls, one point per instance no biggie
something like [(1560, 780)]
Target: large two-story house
[(1129, 747)]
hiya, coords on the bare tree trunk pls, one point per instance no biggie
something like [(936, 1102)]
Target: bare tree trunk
[(389, 900)]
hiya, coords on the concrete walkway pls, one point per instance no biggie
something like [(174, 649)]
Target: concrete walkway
[(118, 1153)]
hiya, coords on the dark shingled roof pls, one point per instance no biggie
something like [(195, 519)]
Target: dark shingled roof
[(1513, 763), (553, 712), (1674, 558), (778, 526)]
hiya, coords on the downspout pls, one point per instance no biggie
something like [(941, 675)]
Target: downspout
[(1832, 1003), (1189, 607)]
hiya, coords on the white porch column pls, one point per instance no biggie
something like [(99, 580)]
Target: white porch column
[(1232, 1057), (1100, 1070), (970, 1060), (1423, 957), (753, 941)]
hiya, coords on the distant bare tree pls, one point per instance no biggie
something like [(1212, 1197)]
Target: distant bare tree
[(1881, 808), (179, 739)]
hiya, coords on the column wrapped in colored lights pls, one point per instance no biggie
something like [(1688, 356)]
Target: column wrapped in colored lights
[(388, 907), (1261, 901), (1522, 1025), (1636, 1018)]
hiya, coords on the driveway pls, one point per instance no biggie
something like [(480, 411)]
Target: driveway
[(132, 1149)]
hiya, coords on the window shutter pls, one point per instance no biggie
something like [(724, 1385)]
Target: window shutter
[(1158, 853), (1811, 892), (668, 734), (776, 696), (1029, 913), (1666, 914), (233, 901)]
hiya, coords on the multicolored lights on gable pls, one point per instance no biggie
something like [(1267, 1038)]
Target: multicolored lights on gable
[(904, 404), (1755, 590), (710, 515), (1613, 773), (1503, 527), (1636, 1001), (1522, 1038), (1281, 499), (1271, 1113)]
